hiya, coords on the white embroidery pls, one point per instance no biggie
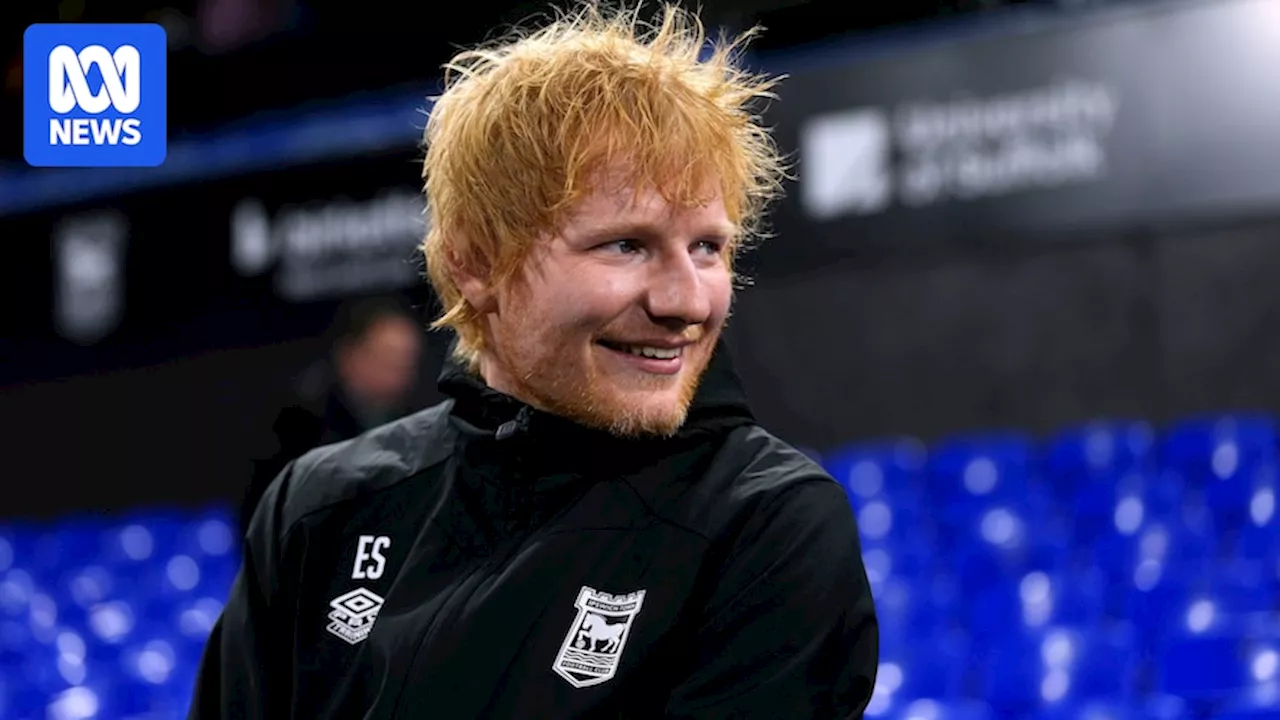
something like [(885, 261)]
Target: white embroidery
[(353, 614), (593, 647), (370, 562)]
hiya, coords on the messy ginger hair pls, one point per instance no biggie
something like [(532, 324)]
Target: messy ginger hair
[(526, 125)]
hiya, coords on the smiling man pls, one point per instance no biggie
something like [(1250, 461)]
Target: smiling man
[(594, 525), (616, 315)]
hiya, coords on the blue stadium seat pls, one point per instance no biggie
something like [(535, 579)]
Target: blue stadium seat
[(934, 667), (1000, 541), (1158, 706), (891, 468), (928, 709), (1036, 600), (913, 609), (1149, 549), (893, 699), (1060, 667), (1217, 658), (1090, 467), (1262, 701), (1224, 458), (888, 557), (1111, 573), (1258, 536), (108, 618), (981, 468), (1243, 587), (1095, 710), (884, 483)]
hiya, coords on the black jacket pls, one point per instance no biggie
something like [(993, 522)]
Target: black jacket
[(320, 413), (566, 574)]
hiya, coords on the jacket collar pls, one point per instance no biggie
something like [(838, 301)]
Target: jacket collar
[(720, 403)]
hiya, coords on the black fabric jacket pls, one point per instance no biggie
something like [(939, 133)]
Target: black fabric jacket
[(481, 559), (319, 414)]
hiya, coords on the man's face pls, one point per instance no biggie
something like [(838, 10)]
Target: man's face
[(382, 366), (613, 321)]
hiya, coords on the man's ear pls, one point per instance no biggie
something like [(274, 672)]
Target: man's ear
[(474, 282)]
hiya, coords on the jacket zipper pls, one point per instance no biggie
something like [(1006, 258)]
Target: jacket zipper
[(512, 427), (515, 494)]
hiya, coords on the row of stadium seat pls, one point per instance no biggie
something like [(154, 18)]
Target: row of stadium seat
[(107, 618), (1109, 574)]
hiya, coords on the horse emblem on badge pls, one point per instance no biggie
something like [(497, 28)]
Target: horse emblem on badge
[(590, 652)]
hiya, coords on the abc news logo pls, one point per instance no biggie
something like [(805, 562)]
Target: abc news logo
[(94, 95), (69, 91)]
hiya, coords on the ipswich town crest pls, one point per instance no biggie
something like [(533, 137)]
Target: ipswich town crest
[(591, 651)]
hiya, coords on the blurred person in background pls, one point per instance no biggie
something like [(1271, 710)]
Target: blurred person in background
[(593, 525), (373, 364)]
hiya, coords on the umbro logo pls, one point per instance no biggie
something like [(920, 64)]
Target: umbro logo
[(353, 613)]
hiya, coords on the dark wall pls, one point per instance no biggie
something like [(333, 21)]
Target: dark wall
[(1121, 326), (1220, 317), (179, 433), (924, 347)]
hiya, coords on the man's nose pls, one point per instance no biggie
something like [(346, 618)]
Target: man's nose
[(677, 293)]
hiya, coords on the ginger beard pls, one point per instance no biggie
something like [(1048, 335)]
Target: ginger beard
[(568, 372)]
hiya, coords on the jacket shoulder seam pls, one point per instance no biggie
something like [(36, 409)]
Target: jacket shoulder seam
[(431, 444), (800, 479)]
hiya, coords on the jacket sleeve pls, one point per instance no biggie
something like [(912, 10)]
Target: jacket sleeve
[(790, 630), (242, 673)]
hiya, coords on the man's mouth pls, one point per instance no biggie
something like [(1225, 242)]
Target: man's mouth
[(646, 351)]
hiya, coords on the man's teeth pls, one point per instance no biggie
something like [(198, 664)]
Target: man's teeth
[(653, 352)]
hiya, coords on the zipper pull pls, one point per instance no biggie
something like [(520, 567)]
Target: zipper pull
[(511, 427)]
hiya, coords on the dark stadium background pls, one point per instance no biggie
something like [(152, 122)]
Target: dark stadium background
[(1133, 311), (1148, 294), (190, 371)]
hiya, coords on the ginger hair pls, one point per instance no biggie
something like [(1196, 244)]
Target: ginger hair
[(525, 126)]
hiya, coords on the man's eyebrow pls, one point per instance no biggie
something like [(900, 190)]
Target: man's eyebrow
[(617, 228)]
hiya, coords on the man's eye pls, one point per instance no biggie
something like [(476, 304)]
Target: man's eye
[(714, 247), (625, 247)]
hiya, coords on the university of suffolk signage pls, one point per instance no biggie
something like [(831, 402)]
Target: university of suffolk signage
[(921, 153), (1158, 113)]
